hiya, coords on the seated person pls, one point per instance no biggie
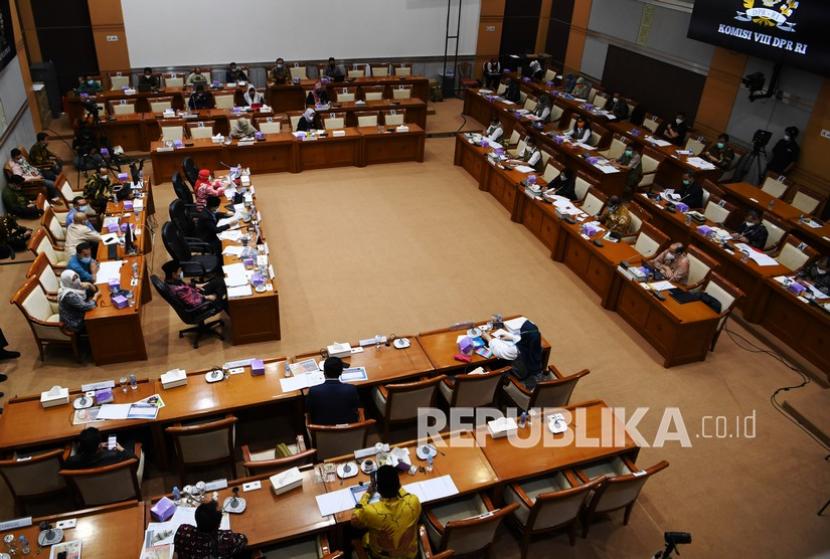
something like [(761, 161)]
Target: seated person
[(191, 294), (691, 193), (564, 185), (235, 74), (391, 523), (616, 217), (196, 77), (524, 350), (719, 153), (206, 539), (80, 231), (818, 274), (79, 204), (13, 236), (92, 452), (309, 121), (207, 224), (88, 85), (84, 265), (148, 80), (582, 88), (317, 96), (333, 402), (22, 168), (617, 106), (530, 154), (534, 69), (242, 128), (513, 91), (568, 83), (676, 130), (201, 98), (253, 97), (632, 161), (98, 189), (16, 203), (752, 231), (581, 131), (495, 131), (333, 71), (492, 73), (74, 301), (50, 164), (279, 73), (672, 264), (542, 110), (205, 187)]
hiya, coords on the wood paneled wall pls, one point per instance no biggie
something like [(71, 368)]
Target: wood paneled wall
[(814, 166), (23, 60), (490, 27), (722, 84), (108, 32)]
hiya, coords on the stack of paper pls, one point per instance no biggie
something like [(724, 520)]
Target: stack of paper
[(302, 381), (758, 257), (302, 367), (700, 163), (109, 271), (233, 250), (237, 291), (657, 142), (235, 275), (233, 235)]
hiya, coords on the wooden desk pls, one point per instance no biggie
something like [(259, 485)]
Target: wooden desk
[(385, 364), (127, 131), (329, 151), (468, 466), (142, 240), (291, 97), (101, 529), (385, 145), (750, 195), (416, 109), (513, 462)]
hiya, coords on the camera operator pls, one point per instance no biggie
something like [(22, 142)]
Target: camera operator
[(785, 153)]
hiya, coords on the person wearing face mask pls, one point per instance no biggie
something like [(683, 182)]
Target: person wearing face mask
[(84, 265), (617, 106), (309, 121), (719, 153), (752, 231), (235, 74), (817, 273), (495, 131), (581, 131), (691, 193), (148, 80), (616, 217), (784, 153), (74, 301), (672, 264), (632, 161), (88, 85), (530, 154), (333, 71), (252, 96), (79, 204), (317, 96), (80, 231), (512, 93), (676, 130), (279, 73), (563, 185), (22, 168), (492, 73), (196, 77), (16, 203), (582, 88), (242, 128), (191, 294)]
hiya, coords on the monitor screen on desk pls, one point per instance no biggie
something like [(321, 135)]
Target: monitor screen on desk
[(787, 31)]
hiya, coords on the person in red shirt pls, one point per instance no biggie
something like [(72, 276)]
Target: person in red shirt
[(192, 294), (204, 187), (206, 539)]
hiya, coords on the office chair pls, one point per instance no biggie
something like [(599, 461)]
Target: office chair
[(193, 265), (183, 193), (181, 217), (195, 315), (191, 172)]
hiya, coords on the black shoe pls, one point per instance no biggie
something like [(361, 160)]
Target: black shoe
[(3, 377), (6, 354)]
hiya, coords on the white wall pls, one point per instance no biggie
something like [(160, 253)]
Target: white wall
[(187, 32), (13, 95)]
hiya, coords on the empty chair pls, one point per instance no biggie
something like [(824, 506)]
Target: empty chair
[(42, 243), (298, 72), (616, 149), (471, 390), (66, 190), (204, 444), (552, 170), (403, 70), (727, 295), (467, 525), (337, 440), (313, 547), (520, 147), (193, 265), (530, 104), (700, 265), (621, 485), (119, 81), (198, 315), (652, 122), (554, 391), (794, 254), (173, 80), (775, 186), (46, 276), (108, 484), (546, 504), (401, 92), (581, 186), (545, 156), (514, 139), (345, 94), (334, 121), (650, 166), (556, 113), (224, 101), (775, 232), (356, 71), (270, 126), (650, 241), (267, 461), (53, 228), (172, 133), (181, 189), (33, 477), (600, 99), (380, 70), (550, 75), (202, 130), (807, 201), (367, 118), (161, 104), (373, 93), (399, 403), (696, 144), (718, 210), (122, 107), (594, 202)]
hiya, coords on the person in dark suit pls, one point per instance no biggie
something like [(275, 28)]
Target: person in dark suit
[(617, 106), (207, 224), (676, 130), (92, 452), (201, 98), (235, 74), (564, 185), (332, 402), (148, 80), (513, 92), (691, 193), (752, 231)]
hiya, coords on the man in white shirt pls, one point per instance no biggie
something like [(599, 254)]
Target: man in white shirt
[(495, 131), (78, 232), (530, 155)]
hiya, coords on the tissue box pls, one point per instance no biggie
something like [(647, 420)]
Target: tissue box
[(120, 302), (465, 345), (163, 510), (123, 177), (173, 378), (286, 481), (796, 288), (681, 207), (114, 284), (55, 396), (128, 205), (257, 367), (704, 230), (402, 128), (339, 350), (502, 427), (112, 228), (338, 133), (103, 396)]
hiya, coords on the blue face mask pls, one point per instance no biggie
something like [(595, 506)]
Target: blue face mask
[(687, 182), (86, 259)]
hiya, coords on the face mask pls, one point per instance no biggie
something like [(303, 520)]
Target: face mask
[(748, 223), (616, 99), (90, 82), (628, 153), (787, 137), (678, 120), (86, 259), (86, 209), (821, 271), (280, 64), (720, 145), (687, 182), (180, 276)]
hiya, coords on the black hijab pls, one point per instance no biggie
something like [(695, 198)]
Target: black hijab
[(530, 348)]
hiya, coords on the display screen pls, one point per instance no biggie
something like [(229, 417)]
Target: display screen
[(788, 31)]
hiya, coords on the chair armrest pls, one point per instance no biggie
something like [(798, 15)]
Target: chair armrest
[(433, 520), (276, 462), (383, 391), (555, 372), (528, 502), (572, 478), (519, 386), (178, 428)]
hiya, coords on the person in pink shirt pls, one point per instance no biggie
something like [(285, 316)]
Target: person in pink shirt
[(204, 187), (192, 294)]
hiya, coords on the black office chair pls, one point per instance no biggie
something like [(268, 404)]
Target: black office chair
[(193, 265), (191, 172), (182, 191), (183, 220), (196, 315)]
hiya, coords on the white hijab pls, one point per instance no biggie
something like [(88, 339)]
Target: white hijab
[(309, 115), (70, 283), (251, 96)]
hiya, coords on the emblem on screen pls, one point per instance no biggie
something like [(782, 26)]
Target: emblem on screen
[(772, 13)]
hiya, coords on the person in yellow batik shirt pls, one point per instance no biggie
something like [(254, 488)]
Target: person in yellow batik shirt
[(392, 522)]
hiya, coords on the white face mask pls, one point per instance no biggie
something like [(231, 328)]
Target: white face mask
[(787, 137), (678, 120)]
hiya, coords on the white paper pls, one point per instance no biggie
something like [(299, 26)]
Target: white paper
[(236, 292), (110, 270), (302, 381), (235, 275), (758, 257), (700, 163), (661, 285), (657, 142), (354, 374), (432, 489), (523, 169), (233, 250), (114, 411), (233, 235), (515, 324), (336, 501)]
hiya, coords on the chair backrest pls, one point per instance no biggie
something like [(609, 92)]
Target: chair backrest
[(775, 232), (373, 93), (652, 122), (298, 72), (620, 491), (404, 400), (638, 216), (515, 136), (337, 440), (725, 293), (794, 253), (174, 243), (334, 121), (775, 186), (66, 190), (555, 393), (270, 126), (650, 240), (380, 71), (593, 202), (522, 97), (356, 72), (551, 172), (805, 201), (52, 225), (267, 461), (41, 243), (473, 534), (182, 191), (530, 103), (40, 312), (107, 484), (33, 475), (545, 156), (171, 133), (696, 144), (119, 82), (550, 75), (122, 107), (649, 163), (202, 130), (345, 94), (520, 147), (555, 508), (394, 117), (403, 70), (160, 104), (617, 147), (571, 124), (368, 118), (556, 113), (581, 186), (700, 264), (204, 442), (600, 99), (401, 92), (45, 274), (475, 390), (224, 100), (717, 211), (173, 81)]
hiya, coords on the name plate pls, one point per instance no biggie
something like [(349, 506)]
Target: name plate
[(98, 385), (164, 149), (15, 524)]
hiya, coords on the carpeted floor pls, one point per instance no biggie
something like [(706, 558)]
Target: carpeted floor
[(409, 247)]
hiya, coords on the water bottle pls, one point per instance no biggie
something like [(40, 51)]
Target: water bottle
[(688, 219), (771, 203), (523, 419), (24, 545), (177, 494), (133, 381), (135, 270), (429, 463)]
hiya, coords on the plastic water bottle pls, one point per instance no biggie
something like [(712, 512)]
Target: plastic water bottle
[(523, 419), (429, 463), (177, 494), (24, 545), (133, 382)]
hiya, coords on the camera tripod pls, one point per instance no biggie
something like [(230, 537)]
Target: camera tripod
[(757, 158)]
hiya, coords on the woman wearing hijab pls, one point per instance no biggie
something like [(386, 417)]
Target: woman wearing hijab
[(242, 128), (317, 96), (74, 301), (309, 121), (523, 350), (252, 96), (204, 187), (582, 88)]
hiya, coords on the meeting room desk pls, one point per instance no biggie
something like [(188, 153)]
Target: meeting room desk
[(384, 364), (330, 151), (386, 145), (441, 347), (515, 462), (106, 531), (142, 240), (416, 109), (291, 97), (127, 131), (463, 460)]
